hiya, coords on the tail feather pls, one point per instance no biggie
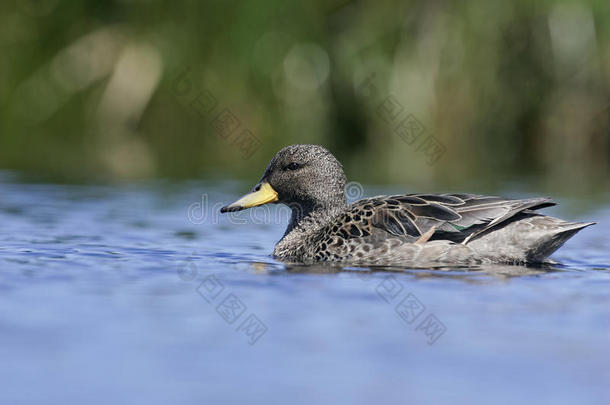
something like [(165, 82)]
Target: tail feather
[(554, 241), (530, 239)]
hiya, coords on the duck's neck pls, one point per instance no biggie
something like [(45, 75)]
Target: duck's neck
[(306, 221)]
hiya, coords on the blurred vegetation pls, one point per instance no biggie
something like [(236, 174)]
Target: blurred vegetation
[(511, 90)]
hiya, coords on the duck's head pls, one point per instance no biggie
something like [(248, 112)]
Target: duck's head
[(304, 176)]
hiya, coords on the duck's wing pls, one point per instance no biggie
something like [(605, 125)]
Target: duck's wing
[(455, 217)]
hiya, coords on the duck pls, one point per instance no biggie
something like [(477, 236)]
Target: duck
[(398, 230)]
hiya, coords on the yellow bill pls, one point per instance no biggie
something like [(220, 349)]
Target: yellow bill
[(263, 193)]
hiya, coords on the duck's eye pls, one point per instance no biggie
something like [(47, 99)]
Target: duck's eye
[(292, 166)]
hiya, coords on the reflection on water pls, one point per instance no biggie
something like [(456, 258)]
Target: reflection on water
[(112, 294), (465, 273)]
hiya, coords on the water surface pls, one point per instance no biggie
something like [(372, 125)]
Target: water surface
[(142, 293)]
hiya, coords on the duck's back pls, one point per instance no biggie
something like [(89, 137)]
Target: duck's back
[(419, 229)]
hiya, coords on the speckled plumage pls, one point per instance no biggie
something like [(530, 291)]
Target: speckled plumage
[(412, 229)]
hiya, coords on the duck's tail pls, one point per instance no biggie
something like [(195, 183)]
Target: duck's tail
[(553, 239), (528, 239)]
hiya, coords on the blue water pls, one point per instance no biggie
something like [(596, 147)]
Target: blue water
[(141, 293)]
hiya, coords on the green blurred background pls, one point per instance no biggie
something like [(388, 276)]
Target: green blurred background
[(511, 91)]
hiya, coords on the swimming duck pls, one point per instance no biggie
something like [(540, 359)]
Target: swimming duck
[(410, 229)]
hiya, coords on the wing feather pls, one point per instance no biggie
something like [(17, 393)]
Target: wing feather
[(456, 217)]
